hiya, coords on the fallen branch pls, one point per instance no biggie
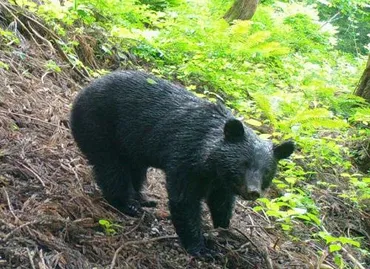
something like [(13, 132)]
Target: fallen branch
[(20, 22), (10, 205), (137, 225), (18, 228), (32, 172), (246, 237), (138, 242), (31, 258), (55, 38), (267, 258), (32, 118), (353, 259)]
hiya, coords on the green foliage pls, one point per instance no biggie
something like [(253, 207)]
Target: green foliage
[(52, 66), (8, 38), (160, 5), (305, 35), (352, 20), (295, 204), (4, 65), (336, 244), (361, 115), (109, 227)]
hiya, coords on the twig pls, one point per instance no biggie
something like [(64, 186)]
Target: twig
[(10, 205), (322, 259), (43, 76), (20, 22), (33, 172), (251, 230), (330, 20), (32, 118), (246, 237), (11, 226), (113, 263), (41, 37), (20, 227), (353, 259), (276, 242), (228, 230), (250, 210), (267, 258), (55, 38), (243, 246), (31, 258), (136, 226), (42, 265)]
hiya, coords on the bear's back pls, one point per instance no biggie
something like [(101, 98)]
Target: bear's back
[(143, 117)]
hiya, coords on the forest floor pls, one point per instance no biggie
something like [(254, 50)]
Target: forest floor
[(52, 214)]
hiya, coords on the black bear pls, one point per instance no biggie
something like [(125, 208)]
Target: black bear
[(128, 121)]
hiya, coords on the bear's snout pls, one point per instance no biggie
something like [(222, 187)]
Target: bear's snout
[(250, 192), (253, 193)]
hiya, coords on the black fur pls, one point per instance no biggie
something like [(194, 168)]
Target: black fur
[(128, 121)]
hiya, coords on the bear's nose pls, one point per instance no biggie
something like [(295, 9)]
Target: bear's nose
[(253, 195)]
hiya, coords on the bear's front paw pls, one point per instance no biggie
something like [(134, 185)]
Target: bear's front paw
[(132, 208)]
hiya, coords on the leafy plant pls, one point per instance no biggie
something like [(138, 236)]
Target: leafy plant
[(52, 66), (109, 227)]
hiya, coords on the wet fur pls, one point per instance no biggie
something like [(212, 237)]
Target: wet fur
[(128, 121)]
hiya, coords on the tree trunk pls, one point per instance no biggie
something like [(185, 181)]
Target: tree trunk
[(241, 10), (363, 148), (363, 88)]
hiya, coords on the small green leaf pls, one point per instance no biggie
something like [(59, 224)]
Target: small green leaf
[(264, 200), (191, 87), (4, 65), (338, 260), (291, 180), (314, 218), (265, 136), (272, 213), (286, 227), (254, 122), (257, 208), (346, 240), (303, 217), (335, 247), (151, 81), (104, 223)]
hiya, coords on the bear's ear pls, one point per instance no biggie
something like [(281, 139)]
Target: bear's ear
[(233, 129), (283, 150)]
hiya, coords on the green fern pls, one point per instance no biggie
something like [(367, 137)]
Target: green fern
[(362, 115), (311, 119), (264, 104)]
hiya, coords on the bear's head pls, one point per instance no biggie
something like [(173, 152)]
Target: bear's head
[(246, 162)]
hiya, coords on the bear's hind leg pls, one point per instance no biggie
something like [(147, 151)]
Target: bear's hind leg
[(115, 181), (138, 180), (221, 203)]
